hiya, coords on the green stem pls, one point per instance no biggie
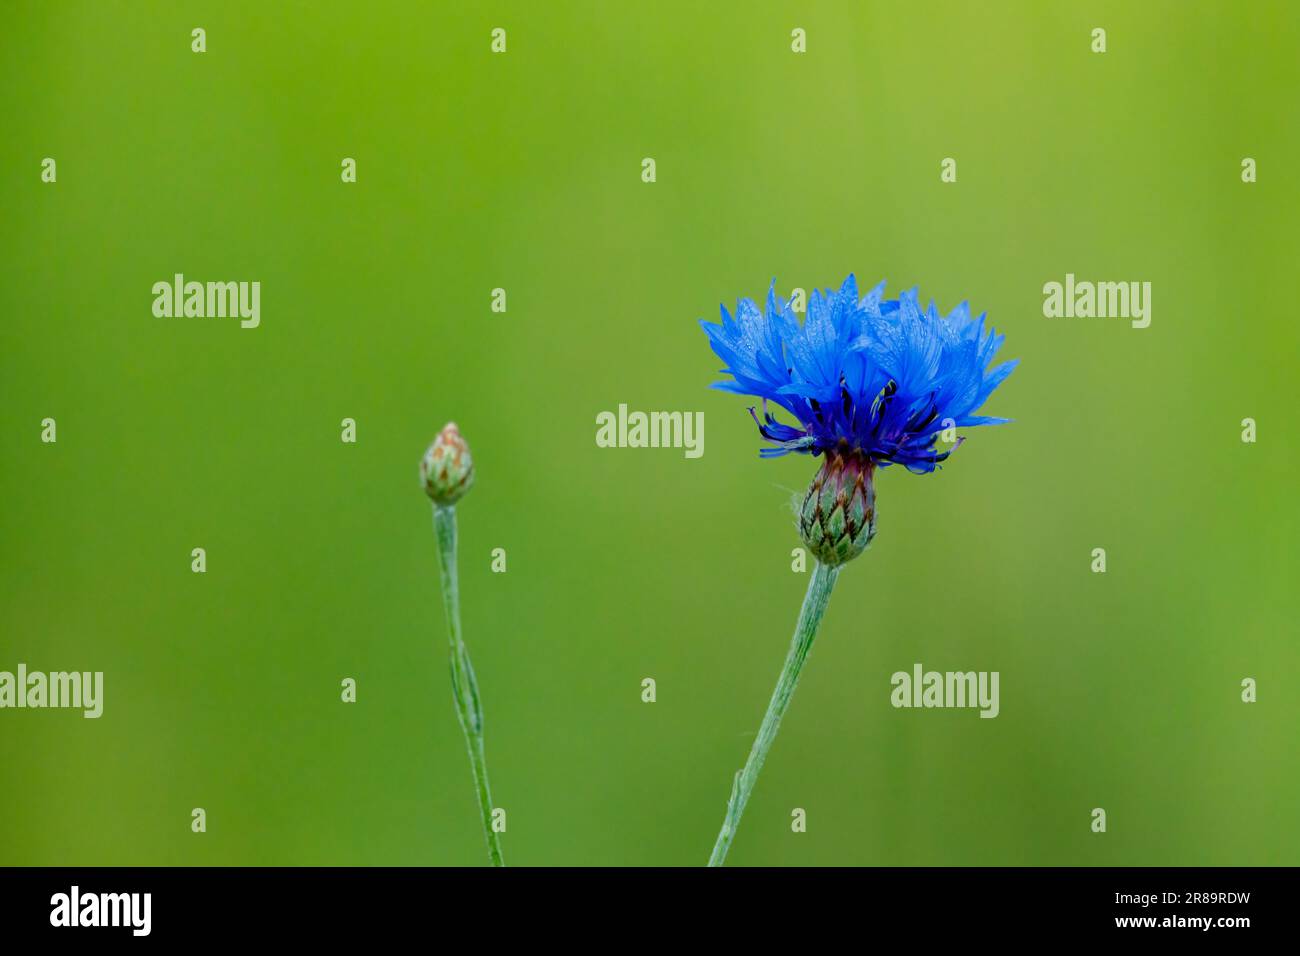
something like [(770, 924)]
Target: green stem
[(463, 685), (810, 616)]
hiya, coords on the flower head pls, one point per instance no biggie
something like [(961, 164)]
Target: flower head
[(447, 468), (872, 378)]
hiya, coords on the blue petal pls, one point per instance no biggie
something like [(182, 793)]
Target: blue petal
[(883, 375)]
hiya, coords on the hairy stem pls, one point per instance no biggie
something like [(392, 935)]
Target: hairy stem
[(810, 616), (463, 685)]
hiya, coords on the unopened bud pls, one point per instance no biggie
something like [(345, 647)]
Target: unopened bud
[(838, 517), (447, 469)]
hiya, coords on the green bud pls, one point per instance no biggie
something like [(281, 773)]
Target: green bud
[(838, 517), (447, 469)]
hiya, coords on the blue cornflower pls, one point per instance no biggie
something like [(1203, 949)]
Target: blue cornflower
[(876, 379), (870, 382)]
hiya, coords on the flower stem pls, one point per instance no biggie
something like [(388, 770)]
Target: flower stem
[(815, 601), (463, 685)]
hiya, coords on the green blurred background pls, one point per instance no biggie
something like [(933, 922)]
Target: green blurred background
[(475, 171)]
